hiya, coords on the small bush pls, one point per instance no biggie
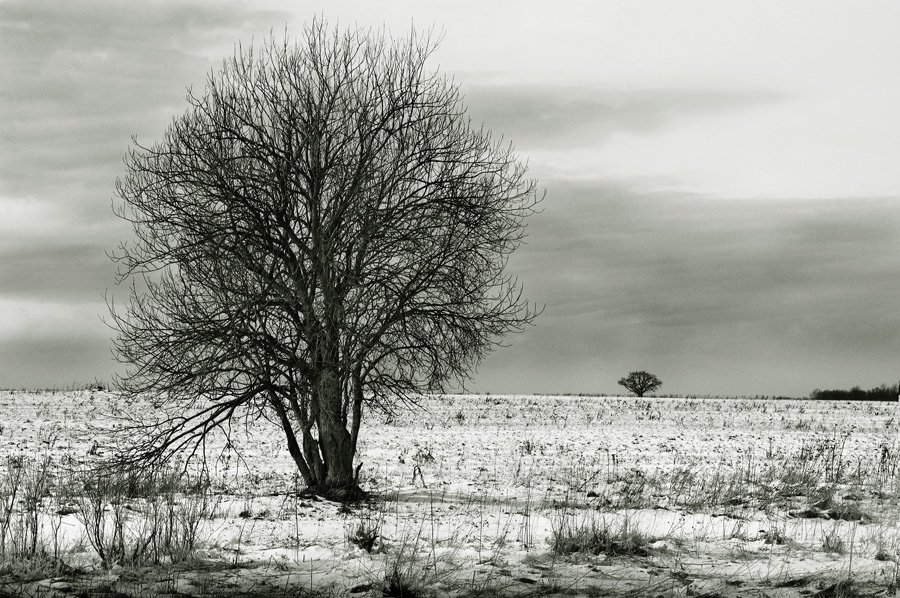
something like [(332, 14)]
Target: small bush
[(406, 576), (774, 536), (881, 554), (366, 534), (397, 584), (849, 511), (34, 567), (24, 484), (841, 589), (598, 537), (833, 543), (423, 456), (163, 526)]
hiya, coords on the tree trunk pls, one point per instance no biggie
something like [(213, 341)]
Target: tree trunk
[(334, 448), (314, 458), (337, 450), (293, 447)]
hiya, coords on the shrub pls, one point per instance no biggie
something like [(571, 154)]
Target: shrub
[(164, 527), (832, 542), (366, 534), (23, 486), (598, 536)]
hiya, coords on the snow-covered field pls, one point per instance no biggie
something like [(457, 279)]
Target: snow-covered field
[(503, 495)]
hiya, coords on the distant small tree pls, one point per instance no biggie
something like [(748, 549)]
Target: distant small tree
[(640, 383)]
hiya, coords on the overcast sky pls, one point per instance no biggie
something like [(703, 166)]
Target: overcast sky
[(722, 178)]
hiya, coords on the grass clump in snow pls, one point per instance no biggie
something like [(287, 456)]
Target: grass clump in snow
[(405, 575), (832, 542), (365, 534), (598, 536)]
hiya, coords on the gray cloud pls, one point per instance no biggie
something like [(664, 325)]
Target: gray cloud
[(718, 295), (80, 78), (558, 116), (77, 80), (55, 362), (78, 271), (714, 295)]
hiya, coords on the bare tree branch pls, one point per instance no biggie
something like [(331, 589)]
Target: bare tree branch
[(322, 232)]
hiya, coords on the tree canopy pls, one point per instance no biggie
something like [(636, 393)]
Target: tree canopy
[(640, 383), (322, 232)]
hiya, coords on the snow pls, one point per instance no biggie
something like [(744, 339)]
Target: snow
[(473, 489)]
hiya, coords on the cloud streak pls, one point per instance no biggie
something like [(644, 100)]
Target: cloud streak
[(554, 117), (78, 80), (653, 280)]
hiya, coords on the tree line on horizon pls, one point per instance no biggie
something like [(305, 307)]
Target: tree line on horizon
[(880, 393)]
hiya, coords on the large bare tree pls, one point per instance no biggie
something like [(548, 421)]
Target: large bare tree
[(322, 232)]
